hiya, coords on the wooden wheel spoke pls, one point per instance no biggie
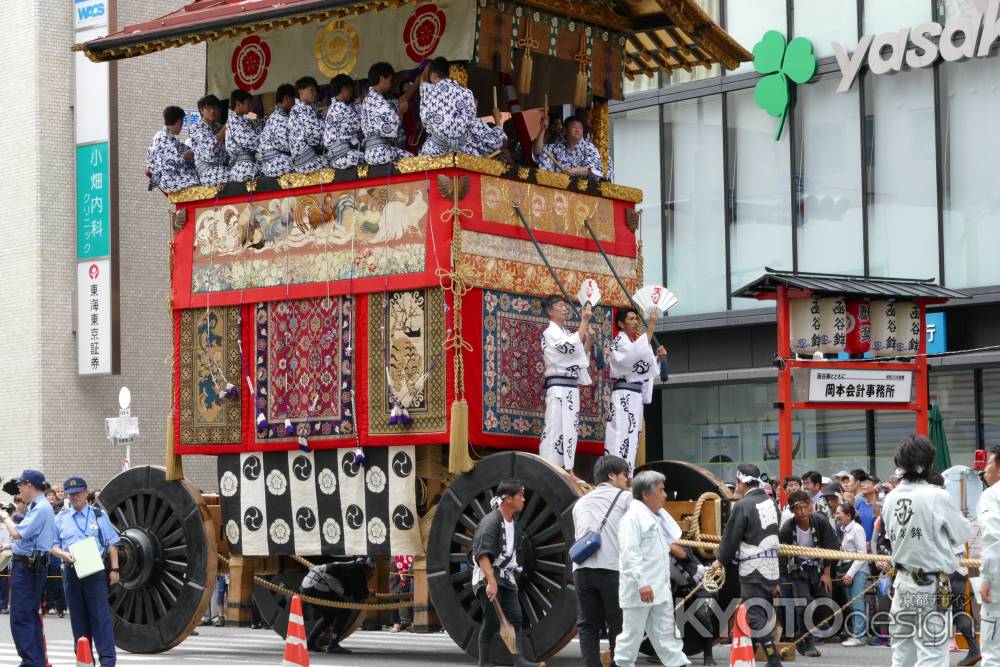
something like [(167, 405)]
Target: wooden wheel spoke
[(554, 549), (538, 596), (546, 582), (462, 538), (528, 609), (550, 566), (461, 576), (546, 535), (545, 515)]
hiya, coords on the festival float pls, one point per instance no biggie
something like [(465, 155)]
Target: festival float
[(359, 348)]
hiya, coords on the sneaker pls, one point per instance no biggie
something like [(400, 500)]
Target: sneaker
[(879, 641), (219, 622), (853, 641), (971, 658), (394, 628)]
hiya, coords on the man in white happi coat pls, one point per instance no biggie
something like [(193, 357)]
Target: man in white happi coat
[(305, 128), (566, 358), (170, 162), (572, 154), (448, 114), (207, 143), (633, 369), (644, 537), (988, 514), (275, 152), (342, 127), (380, 120), (925, 530), (242, 137)]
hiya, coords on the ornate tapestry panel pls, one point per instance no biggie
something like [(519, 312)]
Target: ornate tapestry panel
[(304, 369), (406, 360), (513, 372), (547, 209), (326, 236), (210, 359)]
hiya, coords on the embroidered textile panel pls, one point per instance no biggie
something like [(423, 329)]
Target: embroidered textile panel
[(513, 372), (547, 209), (320, 503), (209, 359), (406, 360), (320, 237), (303, 367)]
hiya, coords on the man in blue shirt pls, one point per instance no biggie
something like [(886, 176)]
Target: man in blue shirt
[(87, 597), (32, 542), (866, 503)]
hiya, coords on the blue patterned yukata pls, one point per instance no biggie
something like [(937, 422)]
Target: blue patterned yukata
[(381, 127), (275, 158), (305, 133), (242, 141), (448, 113), (584, 154), (209, 154), (342, 135), (165, 159)]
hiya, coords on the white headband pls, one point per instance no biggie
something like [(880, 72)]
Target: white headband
[(748, 479)]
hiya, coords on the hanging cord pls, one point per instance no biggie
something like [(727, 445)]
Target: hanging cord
[(453, 281)]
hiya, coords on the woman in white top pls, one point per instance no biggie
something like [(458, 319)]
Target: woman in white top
[(855, 576)]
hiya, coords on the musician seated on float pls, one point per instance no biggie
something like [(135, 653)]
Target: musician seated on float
[(572, 154), (448, 114)]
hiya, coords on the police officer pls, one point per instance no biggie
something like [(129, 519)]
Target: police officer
[(87, 597), (32, 543), (925, 531)]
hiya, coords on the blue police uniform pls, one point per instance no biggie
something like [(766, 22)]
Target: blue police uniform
[(28, 571), (87, 598)]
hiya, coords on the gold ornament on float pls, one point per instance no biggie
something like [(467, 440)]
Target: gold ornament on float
[(337, 47)]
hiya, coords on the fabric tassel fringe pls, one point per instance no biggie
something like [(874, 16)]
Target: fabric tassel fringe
[(304, 444), (289, 429), (261, 421), (524, 73), (459, 460), (359, 456)]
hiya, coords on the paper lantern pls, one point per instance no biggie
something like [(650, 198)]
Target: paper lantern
[(908, 335), (884, 328), (833, 324), (859, 326), (804, 325)]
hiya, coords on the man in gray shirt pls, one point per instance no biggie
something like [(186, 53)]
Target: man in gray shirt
[(596, 579)]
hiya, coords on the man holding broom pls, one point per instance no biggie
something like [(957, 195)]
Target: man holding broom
[(494, 558)]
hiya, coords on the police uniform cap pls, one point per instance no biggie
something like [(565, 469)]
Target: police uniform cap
[(74, 485), (33, 477)]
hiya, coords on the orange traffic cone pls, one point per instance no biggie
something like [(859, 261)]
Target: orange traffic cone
[(84, 658), (296, 653), (741, 653)]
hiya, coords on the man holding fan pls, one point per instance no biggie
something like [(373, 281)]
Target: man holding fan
[(633, 367)]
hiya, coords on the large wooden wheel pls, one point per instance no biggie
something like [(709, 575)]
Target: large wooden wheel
[(273, 607), (548, 598), (167, 557)]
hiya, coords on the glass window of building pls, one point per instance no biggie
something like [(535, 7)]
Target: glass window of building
[(828, 179), (892, 15), (901, 169), (679, 75), (829, 440), (640, 84), (824, 22), (954, 394), (970, 105), (694, 222), (633, 132), (760, 231), (991, 406), (748, 20)]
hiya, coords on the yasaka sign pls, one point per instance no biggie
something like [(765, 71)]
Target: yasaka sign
[(963, 37)]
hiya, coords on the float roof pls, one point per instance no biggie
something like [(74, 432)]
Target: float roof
[(852, 286)]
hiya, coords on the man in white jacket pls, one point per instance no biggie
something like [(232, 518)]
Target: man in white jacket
[(566, 356), (633, 367), (988, 514), (645, 535)]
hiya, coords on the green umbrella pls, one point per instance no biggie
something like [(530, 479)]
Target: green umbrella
[(942, 460)]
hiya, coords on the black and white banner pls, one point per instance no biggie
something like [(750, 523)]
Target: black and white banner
[(320, 503)]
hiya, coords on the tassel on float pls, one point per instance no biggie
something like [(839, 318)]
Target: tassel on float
[(261, 421), (304, 444), (359, 457), (289, 429), (525, 70), (459, 460), (580, 91)]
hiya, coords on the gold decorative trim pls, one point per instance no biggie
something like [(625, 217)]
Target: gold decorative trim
[(552, 179), (251, 186), (582, 184), (623, 192), (178, 218), (194, 193), (319, 177), (483, 165), (523, 173), (459, 75), (362, 171), (412, 165)]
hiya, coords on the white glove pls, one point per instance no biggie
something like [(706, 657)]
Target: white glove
[(700, 574)]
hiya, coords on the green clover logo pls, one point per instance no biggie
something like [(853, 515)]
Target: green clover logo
[(780, 62)]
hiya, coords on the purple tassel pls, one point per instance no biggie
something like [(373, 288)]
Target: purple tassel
[(289, 429), (261, 422), (304, 444), (394, 415), (231, 390), (405, 418), (359, 456)]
